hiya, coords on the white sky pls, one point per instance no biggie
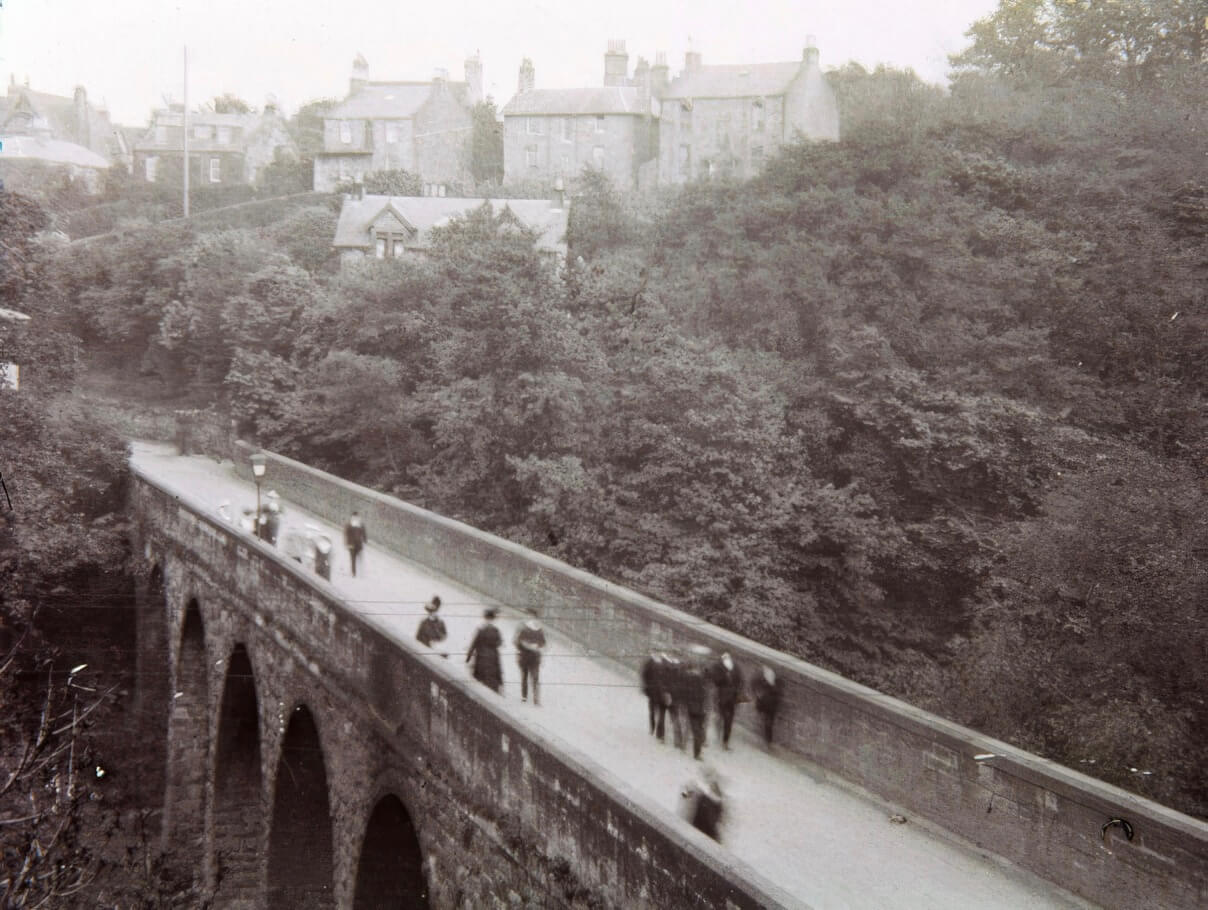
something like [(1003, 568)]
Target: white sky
[(127, 53)]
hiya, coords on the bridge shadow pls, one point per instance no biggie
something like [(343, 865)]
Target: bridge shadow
[(390, 873), (237, 785), (300, 837)]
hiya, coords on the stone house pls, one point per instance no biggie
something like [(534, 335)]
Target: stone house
[(389, 227), (730, 119), (423, 128), (48, 136), (224, 149), (551, 133), (25, 112), (32, 163)]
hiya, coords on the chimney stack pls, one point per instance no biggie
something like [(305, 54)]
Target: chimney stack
[(83, 130), (660, 74), (474, 79), (692, 61), (616, 63), (642, 79), (810, 55), (528, 77), (360, 75)]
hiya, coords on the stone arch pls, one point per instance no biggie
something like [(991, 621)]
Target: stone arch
[(390, 873), (188, 736), (238, 810), (300, 849), (152, 702)]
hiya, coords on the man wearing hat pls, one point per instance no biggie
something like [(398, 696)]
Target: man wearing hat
[(484, 652), (530, 641), (432, 628), (323, 556), (270, 518), (355, 538), (727, 683)]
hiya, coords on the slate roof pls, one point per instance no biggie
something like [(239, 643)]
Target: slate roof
[(59, 114), (242, 127), (744, 80), (426, 212), (614, 99), (52, 151), (388, 100)]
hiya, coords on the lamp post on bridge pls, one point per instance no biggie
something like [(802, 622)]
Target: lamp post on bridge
[(258, 468)]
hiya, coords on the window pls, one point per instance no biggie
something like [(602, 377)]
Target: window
[(345, 132), (440, 190), (723, 128), (758, 116), (597, 157), (389, 246), (530, 156), (224, 135), (534, 125), (568, 129), (565, 169), (391, 133), (201, 131), (756, 157), (685, 116), (599, 123), (215, 170), (152, 166), (685, 161), (161, 135)]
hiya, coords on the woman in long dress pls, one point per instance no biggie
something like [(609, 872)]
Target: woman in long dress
[(484, 652)]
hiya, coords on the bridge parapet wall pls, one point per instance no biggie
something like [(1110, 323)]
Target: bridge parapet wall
[(1036, 813), (556, 817)]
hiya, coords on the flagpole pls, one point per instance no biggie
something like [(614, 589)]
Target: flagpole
[(185, 122)]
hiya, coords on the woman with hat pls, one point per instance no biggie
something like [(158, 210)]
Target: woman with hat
[(432, 628), (484, 652)]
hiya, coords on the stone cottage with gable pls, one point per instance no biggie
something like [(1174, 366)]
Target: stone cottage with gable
[(730, 119), (390, 227), (423, 128), (48, 136)]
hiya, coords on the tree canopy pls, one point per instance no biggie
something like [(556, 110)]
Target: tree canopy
[(924, 406)]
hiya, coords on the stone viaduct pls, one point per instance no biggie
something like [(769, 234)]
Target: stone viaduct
[(315, 762)]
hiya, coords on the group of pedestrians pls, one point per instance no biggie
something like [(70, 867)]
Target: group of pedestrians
[(678, 684), (483, 653), (308, 545)]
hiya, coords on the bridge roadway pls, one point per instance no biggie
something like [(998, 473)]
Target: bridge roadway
[(797, 825)]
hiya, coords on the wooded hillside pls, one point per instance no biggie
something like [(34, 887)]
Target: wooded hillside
[(924, 406)]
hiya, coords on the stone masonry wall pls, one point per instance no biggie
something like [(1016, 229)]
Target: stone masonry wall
[(504, 816), (1040, 815)]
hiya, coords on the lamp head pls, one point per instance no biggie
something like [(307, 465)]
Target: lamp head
[(258, 464)]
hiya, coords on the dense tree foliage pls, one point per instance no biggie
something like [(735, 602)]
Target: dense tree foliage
[(70, 773), (924, 406), (486, 144), (227, 103)]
